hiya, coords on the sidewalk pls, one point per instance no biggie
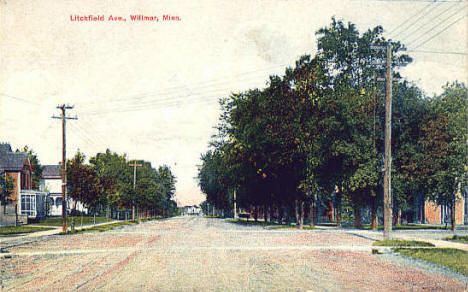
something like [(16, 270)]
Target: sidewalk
[(56, 230), (438, 242)]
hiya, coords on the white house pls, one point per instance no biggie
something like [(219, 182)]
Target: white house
[(192, 210), (51, 183)]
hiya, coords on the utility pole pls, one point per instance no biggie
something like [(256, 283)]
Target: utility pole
[(135, 165), (388, 141), (388, 147), (64, 118)]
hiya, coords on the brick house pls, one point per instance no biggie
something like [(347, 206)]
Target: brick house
[(440, 214), (15, 165)]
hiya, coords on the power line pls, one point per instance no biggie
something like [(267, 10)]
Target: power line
[(447, 27), (433, 27), (409, 18), (201, 85), (424, 22), (20, 99), (438, 52)]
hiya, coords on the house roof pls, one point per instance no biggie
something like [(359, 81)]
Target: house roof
[(51, 171), (5, 148), (12, 161)]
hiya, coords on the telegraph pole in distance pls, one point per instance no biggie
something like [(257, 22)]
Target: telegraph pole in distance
[(135, 165), (388, 147), (63, 117), (388, 141)]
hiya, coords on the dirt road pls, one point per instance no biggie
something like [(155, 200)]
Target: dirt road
[(201, 254)]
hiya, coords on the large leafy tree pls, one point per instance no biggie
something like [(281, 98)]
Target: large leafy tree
[(84, 185), (444, 146), (355, 110)]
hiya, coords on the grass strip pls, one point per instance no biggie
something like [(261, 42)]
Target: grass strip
[(257, 223), (57, 221), (11, 230), (454, 259), (110, 226), (457, 238), (395, 242)]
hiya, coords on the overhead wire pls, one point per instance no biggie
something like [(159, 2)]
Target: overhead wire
[(437, 34), (434, 27)]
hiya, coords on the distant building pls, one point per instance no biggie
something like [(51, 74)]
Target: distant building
[(192, 210)]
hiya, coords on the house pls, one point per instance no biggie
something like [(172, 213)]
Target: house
[(441, 214), (51, 183), (192, 210), (24, 202)]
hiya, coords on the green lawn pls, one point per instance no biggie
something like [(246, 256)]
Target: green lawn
[(451, 258), (57, 221), (263, 223), (11, 230), (258, 223), (110, 226), (395, 242), (457, 238), (406, 227)]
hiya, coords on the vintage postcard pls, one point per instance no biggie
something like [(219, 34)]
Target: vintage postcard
[(215, 145)]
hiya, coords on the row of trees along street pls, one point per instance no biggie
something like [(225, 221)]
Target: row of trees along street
[(106, 183), (316, 134)]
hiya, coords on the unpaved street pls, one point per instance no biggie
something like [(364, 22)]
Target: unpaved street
[(201, 254)]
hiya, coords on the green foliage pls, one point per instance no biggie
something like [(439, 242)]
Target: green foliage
[(457, 238), (108, 182), (451, 258), (11, 230), (395, 242), (36, 167), (6, 189), (318, 132), (57, 221)]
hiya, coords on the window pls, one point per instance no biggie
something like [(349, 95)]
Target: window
[(58, 202), (28, 204)]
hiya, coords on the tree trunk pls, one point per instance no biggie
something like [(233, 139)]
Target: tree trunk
[(256, 213), (311, 213), (266, 212), (296, 209), (357, 216), (374, 214), (272, 213), (338, 209), (279, 209), (465, 193), (301, 214), (396, 218), (452, 214)]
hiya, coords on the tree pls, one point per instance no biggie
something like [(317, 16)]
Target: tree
[(36, 167), (84, 185), (6, 190), (444, 145)]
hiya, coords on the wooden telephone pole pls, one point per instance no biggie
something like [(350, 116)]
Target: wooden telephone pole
[(388, 142), (135, 165), (64, 118)]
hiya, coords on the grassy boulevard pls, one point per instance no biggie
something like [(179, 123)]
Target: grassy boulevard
[(110, 226), (21, 229), (57, 221), (451, 258)]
